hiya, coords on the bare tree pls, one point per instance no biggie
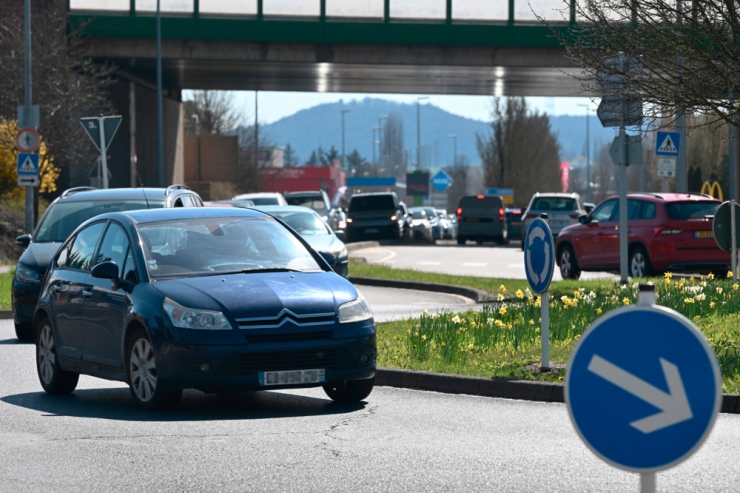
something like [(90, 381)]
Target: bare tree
[(688, 53), (458, 172), (393, 154), (66, 84), (215, 112), (521, 152)]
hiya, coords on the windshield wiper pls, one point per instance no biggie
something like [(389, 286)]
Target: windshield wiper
[(269, 269)]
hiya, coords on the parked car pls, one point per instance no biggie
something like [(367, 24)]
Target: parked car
[(514, 222), (588, 206), (453, 221), (481, 218), (63, 215), (131, 297), (446, 231), (374, 216), (667, 232), (407, 221), (263, 198), (312, 228), (562, 210), (319, 201), (421, 225)]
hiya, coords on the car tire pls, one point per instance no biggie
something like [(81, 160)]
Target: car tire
[(568, 264), (142, 376), (53, 379), (639, 263), (460, 241), (350, 390), (24, 332)]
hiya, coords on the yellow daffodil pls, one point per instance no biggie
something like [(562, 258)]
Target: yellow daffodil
[(712, 304), (519, 294), (625, 301), (502, 288), (500, 297), (502, 310)]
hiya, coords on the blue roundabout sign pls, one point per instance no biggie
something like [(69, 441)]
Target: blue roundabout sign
[(539, 255)]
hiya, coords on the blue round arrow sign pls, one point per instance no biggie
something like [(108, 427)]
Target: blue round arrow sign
[(539, 255), (643, 388)]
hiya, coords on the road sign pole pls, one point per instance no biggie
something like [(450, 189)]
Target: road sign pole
[(27, 103), (545, 331), (733, 232), (647, 482), (103, 149), (623, 206)]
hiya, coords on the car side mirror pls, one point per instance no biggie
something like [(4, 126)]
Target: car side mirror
[(329, 257), (340, 234), (584, 219), (23, 240), (107, 270)]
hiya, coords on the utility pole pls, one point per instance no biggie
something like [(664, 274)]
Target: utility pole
[(27, 103), (380, 140), (256, 131), (418, 131), (160, 111), (344, 165), (588, 155)]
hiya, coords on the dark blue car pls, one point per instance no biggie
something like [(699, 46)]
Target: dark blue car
[(212, 299)]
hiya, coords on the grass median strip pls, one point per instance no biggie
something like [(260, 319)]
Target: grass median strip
[(6, 280), (503, 340)]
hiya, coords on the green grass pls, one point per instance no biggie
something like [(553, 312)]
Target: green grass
[(503, 340), (5, 283)]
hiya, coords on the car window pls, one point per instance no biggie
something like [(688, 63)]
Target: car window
[(372, 203), (304, 223), (234, 244), (633, 210), (682, 211), (648, 210), (603, 212), (63, 256), (64, 216), (130, 273), (114, 248), (419, 214), (554, 204), (312, 202), (81, 252)]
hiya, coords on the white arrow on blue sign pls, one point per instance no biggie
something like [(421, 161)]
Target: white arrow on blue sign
[(539, 255), (643, 388), (441, 181), (667, 143)]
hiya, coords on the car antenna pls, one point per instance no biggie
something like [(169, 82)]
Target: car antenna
[(143, 191)]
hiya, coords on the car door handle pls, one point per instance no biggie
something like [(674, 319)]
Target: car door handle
[(86, 293)]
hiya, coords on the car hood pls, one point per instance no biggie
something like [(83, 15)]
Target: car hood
[(261, 295), (38, 256), (327, 243)]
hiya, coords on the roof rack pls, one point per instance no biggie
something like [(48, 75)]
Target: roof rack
[(175, 187), (71, 191)]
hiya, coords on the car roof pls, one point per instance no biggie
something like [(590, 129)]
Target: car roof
[(283, 208), (179, 213), (84, 194), (305, 192), (670, 197), (569, 195), (367, 194), (255, 195)]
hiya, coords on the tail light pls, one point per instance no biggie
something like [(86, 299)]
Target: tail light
[(459, 213), (481, 197), (667, 231), (501, 214)]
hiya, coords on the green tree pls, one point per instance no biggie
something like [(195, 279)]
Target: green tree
[(290, 158)]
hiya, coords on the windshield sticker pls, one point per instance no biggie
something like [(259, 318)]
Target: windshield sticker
[(152, 264)]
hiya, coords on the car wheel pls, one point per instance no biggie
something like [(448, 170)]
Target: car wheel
[(639, 263), (350, 390), (568, 264), (461, 241), (24, 332), (53, 379), (142, 376)]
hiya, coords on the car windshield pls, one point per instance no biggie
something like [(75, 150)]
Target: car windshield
[(554, 204), (65, 216), (304, 223), (417, 214), (314, 203), (372, 203), (682, 211), (265, 201), (216, 246)]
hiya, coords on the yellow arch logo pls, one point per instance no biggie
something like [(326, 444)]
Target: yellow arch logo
[(712, 189)]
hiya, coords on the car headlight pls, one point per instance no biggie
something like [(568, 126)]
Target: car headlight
[(393, 218), (349, 219), (23, 273), (340, 252), (355, 311), (191, 318)]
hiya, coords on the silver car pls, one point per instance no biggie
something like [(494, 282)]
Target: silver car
[(562, 210)]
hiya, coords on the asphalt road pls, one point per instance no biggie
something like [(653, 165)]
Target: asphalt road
[(398, 441), (395, 304), (487, 260)]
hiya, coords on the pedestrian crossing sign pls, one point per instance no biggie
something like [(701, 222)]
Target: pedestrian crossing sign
[(28, 164), (667, 143)]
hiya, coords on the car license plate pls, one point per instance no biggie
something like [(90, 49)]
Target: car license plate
[(703, 234), (291, 377), (516, 223), (372, 230), (471, 219)]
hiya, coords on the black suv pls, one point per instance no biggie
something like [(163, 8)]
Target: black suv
[(374, 216), (71, 209)]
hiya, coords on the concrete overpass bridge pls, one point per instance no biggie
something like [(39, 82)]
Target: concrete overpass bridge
[(472, 47)]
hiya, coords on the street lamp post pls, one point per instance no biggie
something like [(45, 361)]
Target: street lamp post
[(418, 131), (454, 138), (380, 140), (344, 164), (375, 141), (588, 155), (160, 113)]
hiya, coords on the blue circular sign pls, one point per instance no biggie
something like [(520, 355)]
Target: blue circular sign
[(539, 255), (643, 388)]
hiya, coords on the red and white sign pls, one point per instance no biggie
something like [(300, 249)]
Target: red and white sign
[(27, 140)]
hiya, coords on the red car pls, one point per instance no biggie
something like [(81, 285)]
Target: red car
[(667, 232)]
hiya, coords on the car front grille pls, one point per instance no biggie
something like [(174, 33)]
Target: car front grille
[(288, 337), (286, 316)]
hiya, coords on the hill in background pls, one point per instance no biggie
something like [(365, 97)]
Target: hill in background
[(321, 126)]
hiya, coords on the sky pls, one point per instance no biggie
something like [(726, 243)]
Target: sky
[(276, 105)]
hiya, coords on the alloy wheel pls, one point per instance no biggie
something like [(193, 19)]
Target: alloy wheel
[(143, 370), (566, 267), (637, 265), (46, 354)]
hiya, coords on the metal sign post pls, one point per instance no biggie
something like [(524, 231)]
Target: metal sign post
[(539, 264), (27, 109), (733, 233), (101, 130)]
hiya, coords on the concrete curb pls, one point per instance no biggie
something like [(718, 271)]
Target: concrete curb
[(477, 295), (487, 387), (6, 314)]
